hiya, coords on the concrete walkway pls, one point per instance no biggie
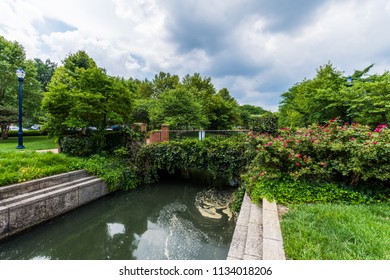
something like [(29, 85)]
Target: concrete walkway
[(257, 235), (54, 151)]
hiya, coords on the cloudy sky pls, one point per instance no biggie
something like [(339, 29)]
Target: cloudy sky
[(255, 48)]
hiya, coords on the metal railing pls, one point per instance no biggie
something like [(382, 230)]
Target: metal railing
[(202, 134)]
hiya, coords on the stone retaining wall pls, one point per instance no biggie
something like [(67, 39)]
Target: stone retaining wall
[(20, 215)]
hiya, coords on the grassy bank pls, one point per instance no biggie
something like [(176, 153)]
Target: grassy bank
[(31, 143), (19, 165), (337, 232)]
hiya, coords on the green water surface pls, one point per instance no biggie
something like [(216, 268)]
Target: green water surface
[(159, 221)]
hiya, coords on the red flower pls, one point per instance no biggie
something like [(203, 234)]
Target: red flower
[(380, 127), (374, 142), (297, 164), (352, 139), (323, 164)]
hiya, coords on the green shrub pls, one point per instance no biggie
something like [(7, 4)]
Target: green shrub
[(95, 142), (14, 133), (79, 145), (328, 156), (265, 123), (115, 171), (347, 153), (286, 191)]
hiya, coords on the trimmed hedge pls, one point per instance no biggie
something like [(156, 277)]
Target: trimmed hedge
[(14, 133)]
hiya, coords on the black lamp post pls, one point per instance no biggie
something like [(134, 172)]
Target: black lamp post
[(20, 73), (349, 84)]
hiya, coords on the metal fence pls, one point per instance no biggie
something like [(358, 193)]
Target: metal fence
[(202, 134)]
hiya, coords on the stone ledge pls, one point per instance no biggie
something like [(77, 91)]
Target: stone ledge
[(272, 235)]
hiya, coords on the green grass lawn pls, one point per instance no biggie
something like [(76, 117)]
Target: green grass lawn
[(19, 165), (31, 143), (337, 232)]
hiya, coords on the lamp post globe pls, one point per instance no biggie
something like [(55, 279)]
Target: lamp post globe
[(20, 74)]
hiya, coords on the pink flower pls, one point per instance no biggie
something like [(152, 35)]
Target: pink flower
[(298, 155), (323, 164), (380, 127), (374, 142), (297, 164), (352, 139)]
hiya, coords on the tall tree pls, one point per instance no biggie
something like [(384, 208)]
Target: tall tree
[(45, 71), (315, 100), (12, 56), (370, 99), (246, 111), (164, 82), (81, 97), (223, 111), (180, 109)]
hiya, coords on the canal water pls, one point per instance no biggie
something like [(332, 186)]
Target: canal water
[(168, 220)]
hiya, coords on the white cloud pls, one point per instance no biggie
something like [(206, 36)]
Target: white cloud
[(256, 49)]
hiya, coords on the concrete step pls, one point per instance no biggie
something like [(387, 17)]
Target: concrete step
[(38, 204), (37, 192), (257, 235), (33, 185)]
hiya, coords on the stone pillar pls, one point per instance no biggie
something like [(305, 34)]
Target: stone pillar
[(143, 127), (165, 133)]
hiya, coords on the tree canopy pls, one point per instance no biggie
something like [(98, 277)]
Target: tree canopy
[(81, 95), (328, 95), (12, 56)]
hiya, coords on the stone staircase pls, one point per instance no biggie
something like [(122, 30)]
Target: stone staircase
[(27, 204), (257, 235)]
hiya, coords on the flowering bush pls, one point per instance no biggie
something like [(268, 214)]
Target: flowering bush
[(323, 153)]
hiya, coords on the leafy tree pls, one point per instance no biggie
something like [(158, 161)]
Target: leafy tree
[(45, 71), (245, 112), (203, 86), (81, 97), (79, 60), (7, 116), (180, 109), (370, 102), (141, 111), (163, 82), (12, 56), (144, 89), (222, 111), (328, 96), (314, 101)]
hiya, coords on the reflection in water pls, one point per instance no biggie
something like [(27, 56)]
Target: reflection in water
[(213, 203), (115, 228), (175, 220)]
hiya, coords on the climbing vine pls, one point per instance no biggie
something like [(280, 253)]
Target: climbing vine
[(226, 158)]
